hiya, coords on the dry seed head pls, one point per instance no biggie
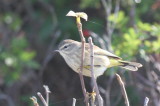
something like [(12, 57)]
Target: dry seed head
[(78, 14)]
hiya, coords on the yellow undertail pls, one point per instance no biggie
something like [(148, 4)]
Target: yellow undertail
[(132, 66)]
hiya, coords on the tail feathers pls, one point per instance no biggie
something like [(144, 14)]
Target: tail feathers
[(132, 66)]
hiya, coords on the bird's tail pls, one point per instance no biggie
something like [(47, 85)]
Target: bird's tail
[(132, 66)]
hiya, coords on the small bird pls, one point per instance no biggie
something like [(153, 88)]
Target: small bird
[(70, 50)]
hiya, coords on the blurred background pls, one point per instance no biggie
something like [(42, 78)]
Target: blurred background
[(31, 29)]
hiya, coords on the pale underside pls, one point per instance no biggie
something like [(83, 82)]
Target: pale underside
[(100, 64)]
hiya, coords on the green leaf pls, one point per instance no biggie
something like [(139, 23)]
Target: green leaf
[(89, 3), (18, 44), (27, 55), (13, 20), (144, 26)]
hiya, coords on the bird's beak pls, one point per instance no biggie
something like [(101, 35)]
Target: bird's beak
[(55, 51)]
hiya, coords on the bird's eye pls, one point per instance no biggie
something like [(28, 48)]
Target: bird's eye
[(65, 47)]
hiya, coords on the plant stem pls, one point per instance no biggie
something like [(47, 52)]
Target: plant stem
[(79, 26), (47, 91), (74, 102), (123, 90), (100, 100), (146, 101), (42, 99), (34, 99)]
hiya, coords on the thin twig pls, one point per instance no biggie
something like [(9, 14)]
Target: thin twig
[(110, 26), (7, 98), (132, 15), (100, 100), (116, 11), (146, 101), (47, 91), (123, 90), (42, 99), (145, 81), (78, 16), (34, 99), (74, 102), (107, 5), (150, 78), (79, 26)]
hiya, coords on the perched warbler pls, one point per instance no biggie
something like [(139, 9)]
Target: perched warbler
[(70, 50)]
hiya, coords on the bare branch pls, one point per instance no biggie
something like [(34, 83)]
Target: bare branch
[(116, 11), (47, 91), (42, 99), (34, 99), (78, 16), (146, 101), (74, 102), (100, 100), (123, 90), (110, 26), (7, 99), (82, 63)]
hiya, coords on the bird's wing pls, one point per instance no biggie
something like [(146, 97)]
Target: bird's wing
[(106, 53), (99, 51)]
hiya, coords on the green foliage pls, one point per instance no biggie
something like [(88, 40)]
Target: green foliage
[(144, 7), (120, 19), (89, 3), (26, 99), (14, 22), (149, 32), (134, 40), (129, 44), (15, 58)]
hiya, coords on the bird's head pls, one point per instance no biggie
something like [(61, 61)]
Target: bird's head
[(68, 47)]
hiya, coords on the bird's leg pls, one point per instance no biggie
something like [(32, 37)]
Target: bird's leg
[(92, 97)]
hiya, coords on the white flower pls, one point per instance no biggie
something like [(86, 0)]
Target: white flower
[(9, 61)]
